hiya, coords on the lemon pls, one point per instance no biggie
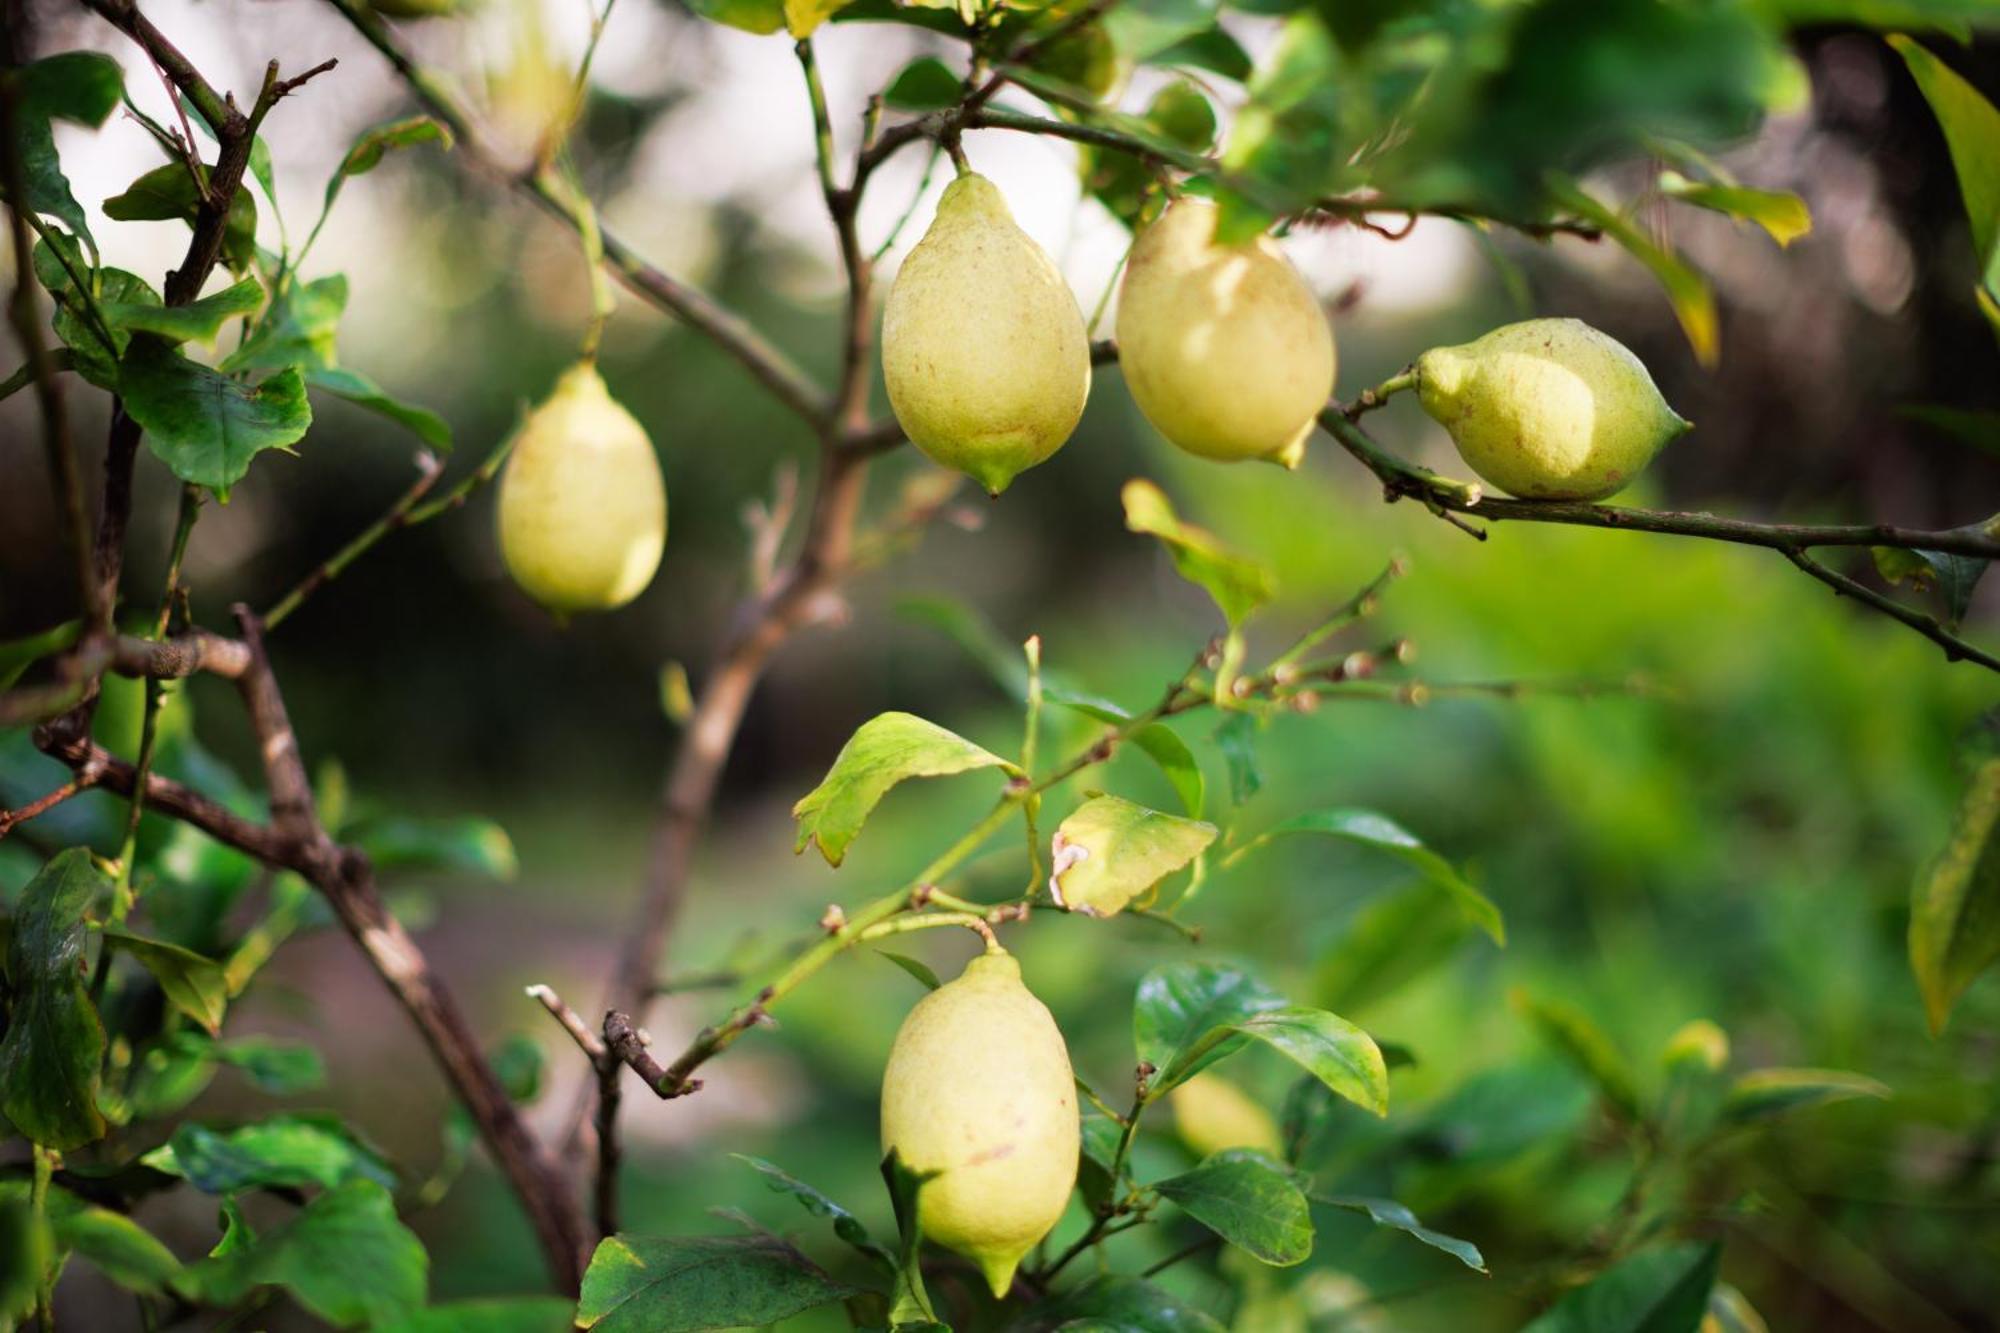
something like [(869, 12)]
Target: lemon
[(978, 1089), (1548, 409), (983, 347)]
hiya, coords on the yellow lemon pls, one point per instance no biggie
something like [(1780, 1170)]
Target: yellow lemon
[(1224, 347), (978, 1089), (583, 510), (1213, 1115), (983, 347), (1548, 409)]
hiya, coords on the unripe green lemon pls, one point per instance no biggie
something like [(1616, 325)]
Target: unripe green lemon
[(583, 510), (979, 1089), (1224, 347), (1548, 409), (983, 347), (1213, 1115)]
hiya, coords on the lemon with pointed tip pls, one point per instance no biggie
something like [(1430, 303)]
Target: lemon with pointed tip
[(983, 347), (1548, 409), (1224, 347), (1213, 1115), (583, 510), (978, 1089)]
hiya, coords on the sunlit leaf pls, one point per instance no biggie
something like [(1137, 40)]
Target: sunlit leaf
[(1971, 127), (206, 427), (1117, 850), (193, 984), (1780, 212), (885, 750), (1764, 1093), (1687, 289), (1238, 585)]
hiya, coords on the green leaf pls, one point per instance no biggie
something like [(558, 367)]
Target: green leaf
[(1955, 907), (1116, 851), (1763, 1094), (1213, 50), (114, 1244), (1584, 1044), (802, 17), (1325, 1045), (298, 329), (345, 1258), (759, 16), (1686, 288), (925, 84), (1389, 1213), (1165, 747), (285, 1151), (17, 655), (496, 1314), (668, 1284), (1236, 737), (197, 321), (883, 752), (1113, 1303), (168, 193), (1655, 1291), (1145, 28), (1248, 1200), (1370, 829), (203, 425), (280, 1068), (909, 1303), (1954, 577), (1971, 127), (915, 967), (83, 87), (54, 1047), (92, 356), (1178, 1004), (194, 985), (372, 144), (845, 1224), (1780, 212), (469, 845), (358, 389), (1238, 585)]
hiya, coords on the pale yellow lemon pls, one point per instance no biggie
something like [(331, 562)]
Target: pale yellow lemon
[(583, 509), (1224, 347), (983, 348), (978, 1089), (1548, 409), (1213, 1115)]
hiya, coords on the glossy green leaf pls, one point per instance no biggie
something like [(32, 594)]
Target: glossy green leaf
[(845, 1224), (283, 1151), (1371, 829), (1763, 1094), (925, 84), (198, 321), (494, 1314), (344, 1257), (83, 87), (1664, 1290), (112, 1243), (669, 1284), (206, 427), (298, 329), (1578, 1038), (372, 144), (909, 1303), (195, 985), (1955, 908), (1238, 585), (54, 1046), (917, 968), (168, 193), (1248, 1200), (1389, 1213), (885, 750), (1113, 851), (1971, 127), (1180, 1003), (94, 346), (358, 389), (1164, 747)]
